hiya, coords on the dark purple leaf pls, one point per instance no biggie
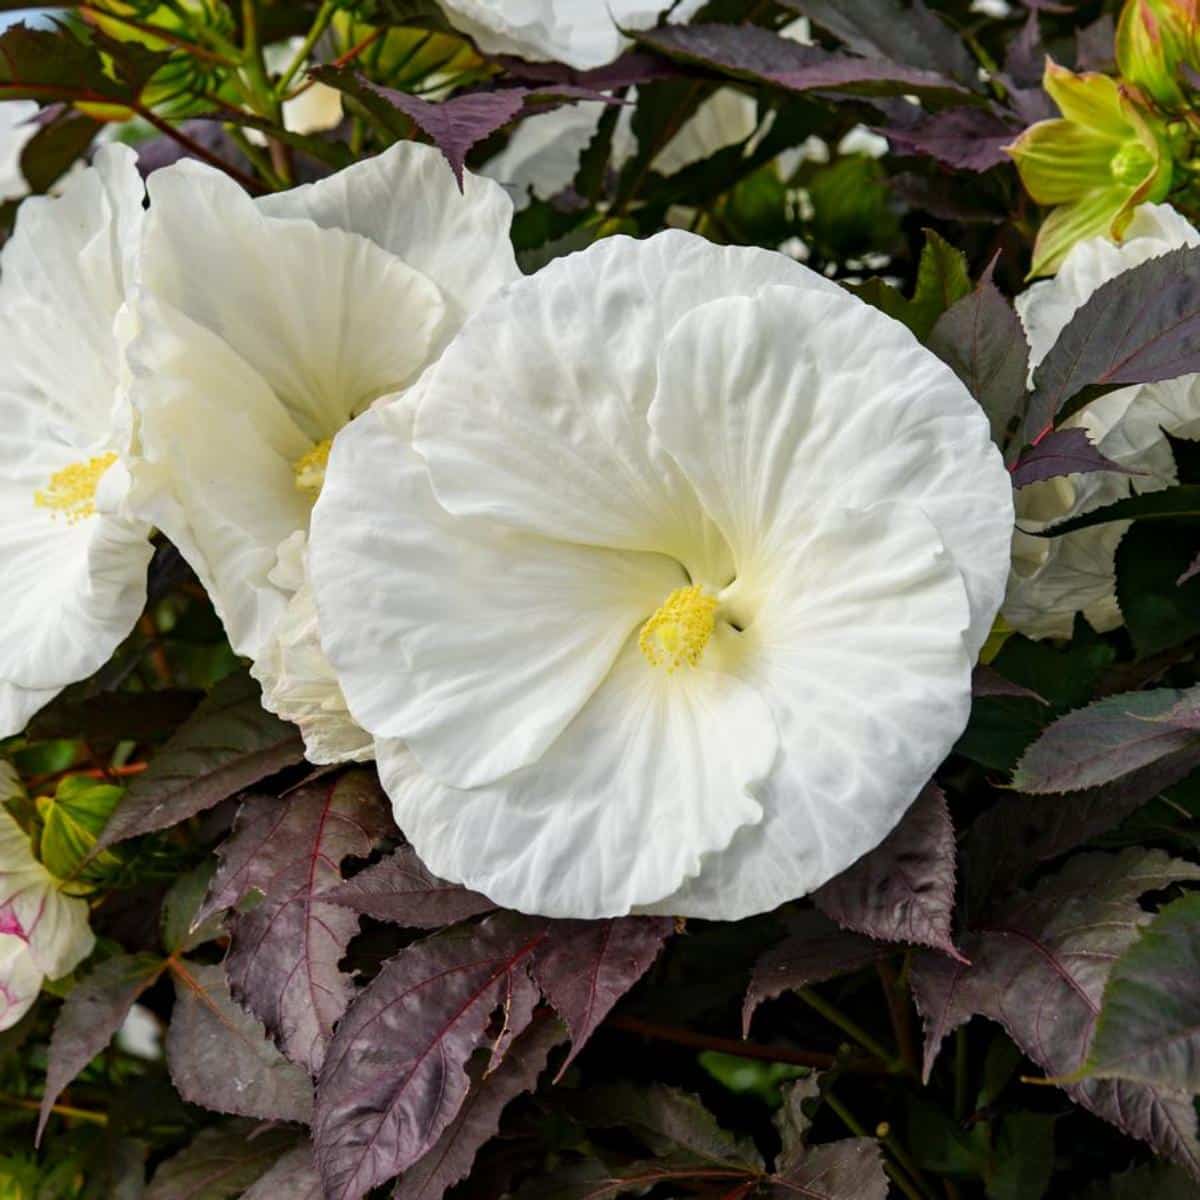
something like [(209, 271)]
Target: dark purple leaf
[(284, 954), (1191, 573), (478, 1121), (749, 52), (1039, 968), (89, 1019), (1149, 1025), (221, 1162), (293, 1177), (229, 743), (395, 1075), (1094, 45), (851, 1169), (969, 139), (983, 342), (1109, 739), (400, 888), (220, 1057), (585, 967), (986, 681), (1062, 452), (814, 950), (634, 67), (1140, 327), (903, 890)]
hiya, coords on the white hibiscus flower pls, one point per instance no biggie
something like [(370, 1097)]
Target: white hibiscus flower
[(1055, 578), (580, 33), (43, 933), (16, 128), (74, 576), (661, 590), (264, 326)]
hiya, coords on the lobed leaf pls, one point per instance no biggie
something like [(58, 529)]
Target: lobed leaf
[(293, 1177), (967, 139), (1062, 452), (220, 1163)]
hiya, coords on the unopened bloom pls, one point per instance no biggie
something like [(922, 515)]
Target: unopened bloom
[(74, 577), (43, 933), (1095, 164), (1155, 38), (580, 33), (16, 128), (1053, 578), (661, 590), (263, 328)]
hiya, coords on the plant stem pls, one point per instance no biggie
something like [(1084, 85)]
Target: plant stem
[(850, 1028), (896, 1174), (900, 1014), (62, 1110), (320, 24)]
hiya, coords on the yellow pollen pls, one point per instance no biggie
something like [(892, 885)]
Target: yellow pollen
[(310, 467), (680, 630), (72, 491)]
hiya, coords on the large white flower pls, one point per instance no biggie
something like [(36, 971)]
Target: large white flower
[(16, 128), (265, 326), (1055, 578), (661, 590), (43, 933), (74, 566), (580, 33)]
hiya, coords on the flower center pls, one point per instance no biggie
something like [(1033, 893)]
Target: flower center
[(680, 629), (71, 492), (1131, 164), (310, 468)]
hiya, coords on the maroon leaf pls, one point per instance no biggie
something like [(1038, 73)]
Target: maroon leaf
[(395, 1075), (1039, 969), (293, 1177), (1063, 452), (89, 1019), (903, 890), (1191, 573), (1140, 327), (749, 52), (221, 1162), (851, 1169), (400, 888), (968, 139), (1109, 739), (585, 967), (815, 950), (230, 743), (981, 339), (452, 1155), (987, 681), (284, 954), (220, 1057)]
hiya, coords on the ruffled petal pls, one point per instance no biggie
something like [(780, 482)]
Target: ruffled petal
[(789, 405), (20, 981), (329, 319), (475, 643), (857, 647), (17, 126), (535, 415), (656, 772), (406, 200)]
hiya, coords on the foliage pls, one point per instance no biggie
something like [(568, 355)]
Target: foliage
[(336, 1021)]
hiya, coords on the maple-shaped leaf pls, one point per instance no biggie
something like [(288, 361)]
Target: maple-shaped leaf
[(452, 1155), (220, 1057), (1039, 967), (395, 1075), (969, 139), (585, 967), (1063, 452), (284, 952), (228, 744), (221, 1162), (293, 1177), (986, 681), (401, 889), (1110, 739), (903, 890), (814, 950)]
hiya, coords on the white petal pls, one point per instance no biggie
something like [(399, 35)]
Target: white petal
[(858, 648), (407, 201), (16, 128), (655, 772), (725, 118), (791, 404), (475, 643), (18, 704), (20, 981), (535, 415), (329, 319), (580, 33)]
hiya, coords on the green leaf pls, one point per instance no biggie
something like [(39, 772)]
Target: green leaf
[(74, 820), (1022, 1158), (1149, 1024), (942, 281), (180, 906), (1159, 610)]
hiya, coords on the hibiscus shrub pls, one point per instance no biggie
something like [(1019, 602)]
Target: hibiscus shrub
[(720, 664)]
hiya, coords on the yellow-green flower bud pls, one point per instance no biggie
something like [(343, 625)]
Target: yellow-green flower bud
[(1093, 165), (71, 824), (1154, 38)]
